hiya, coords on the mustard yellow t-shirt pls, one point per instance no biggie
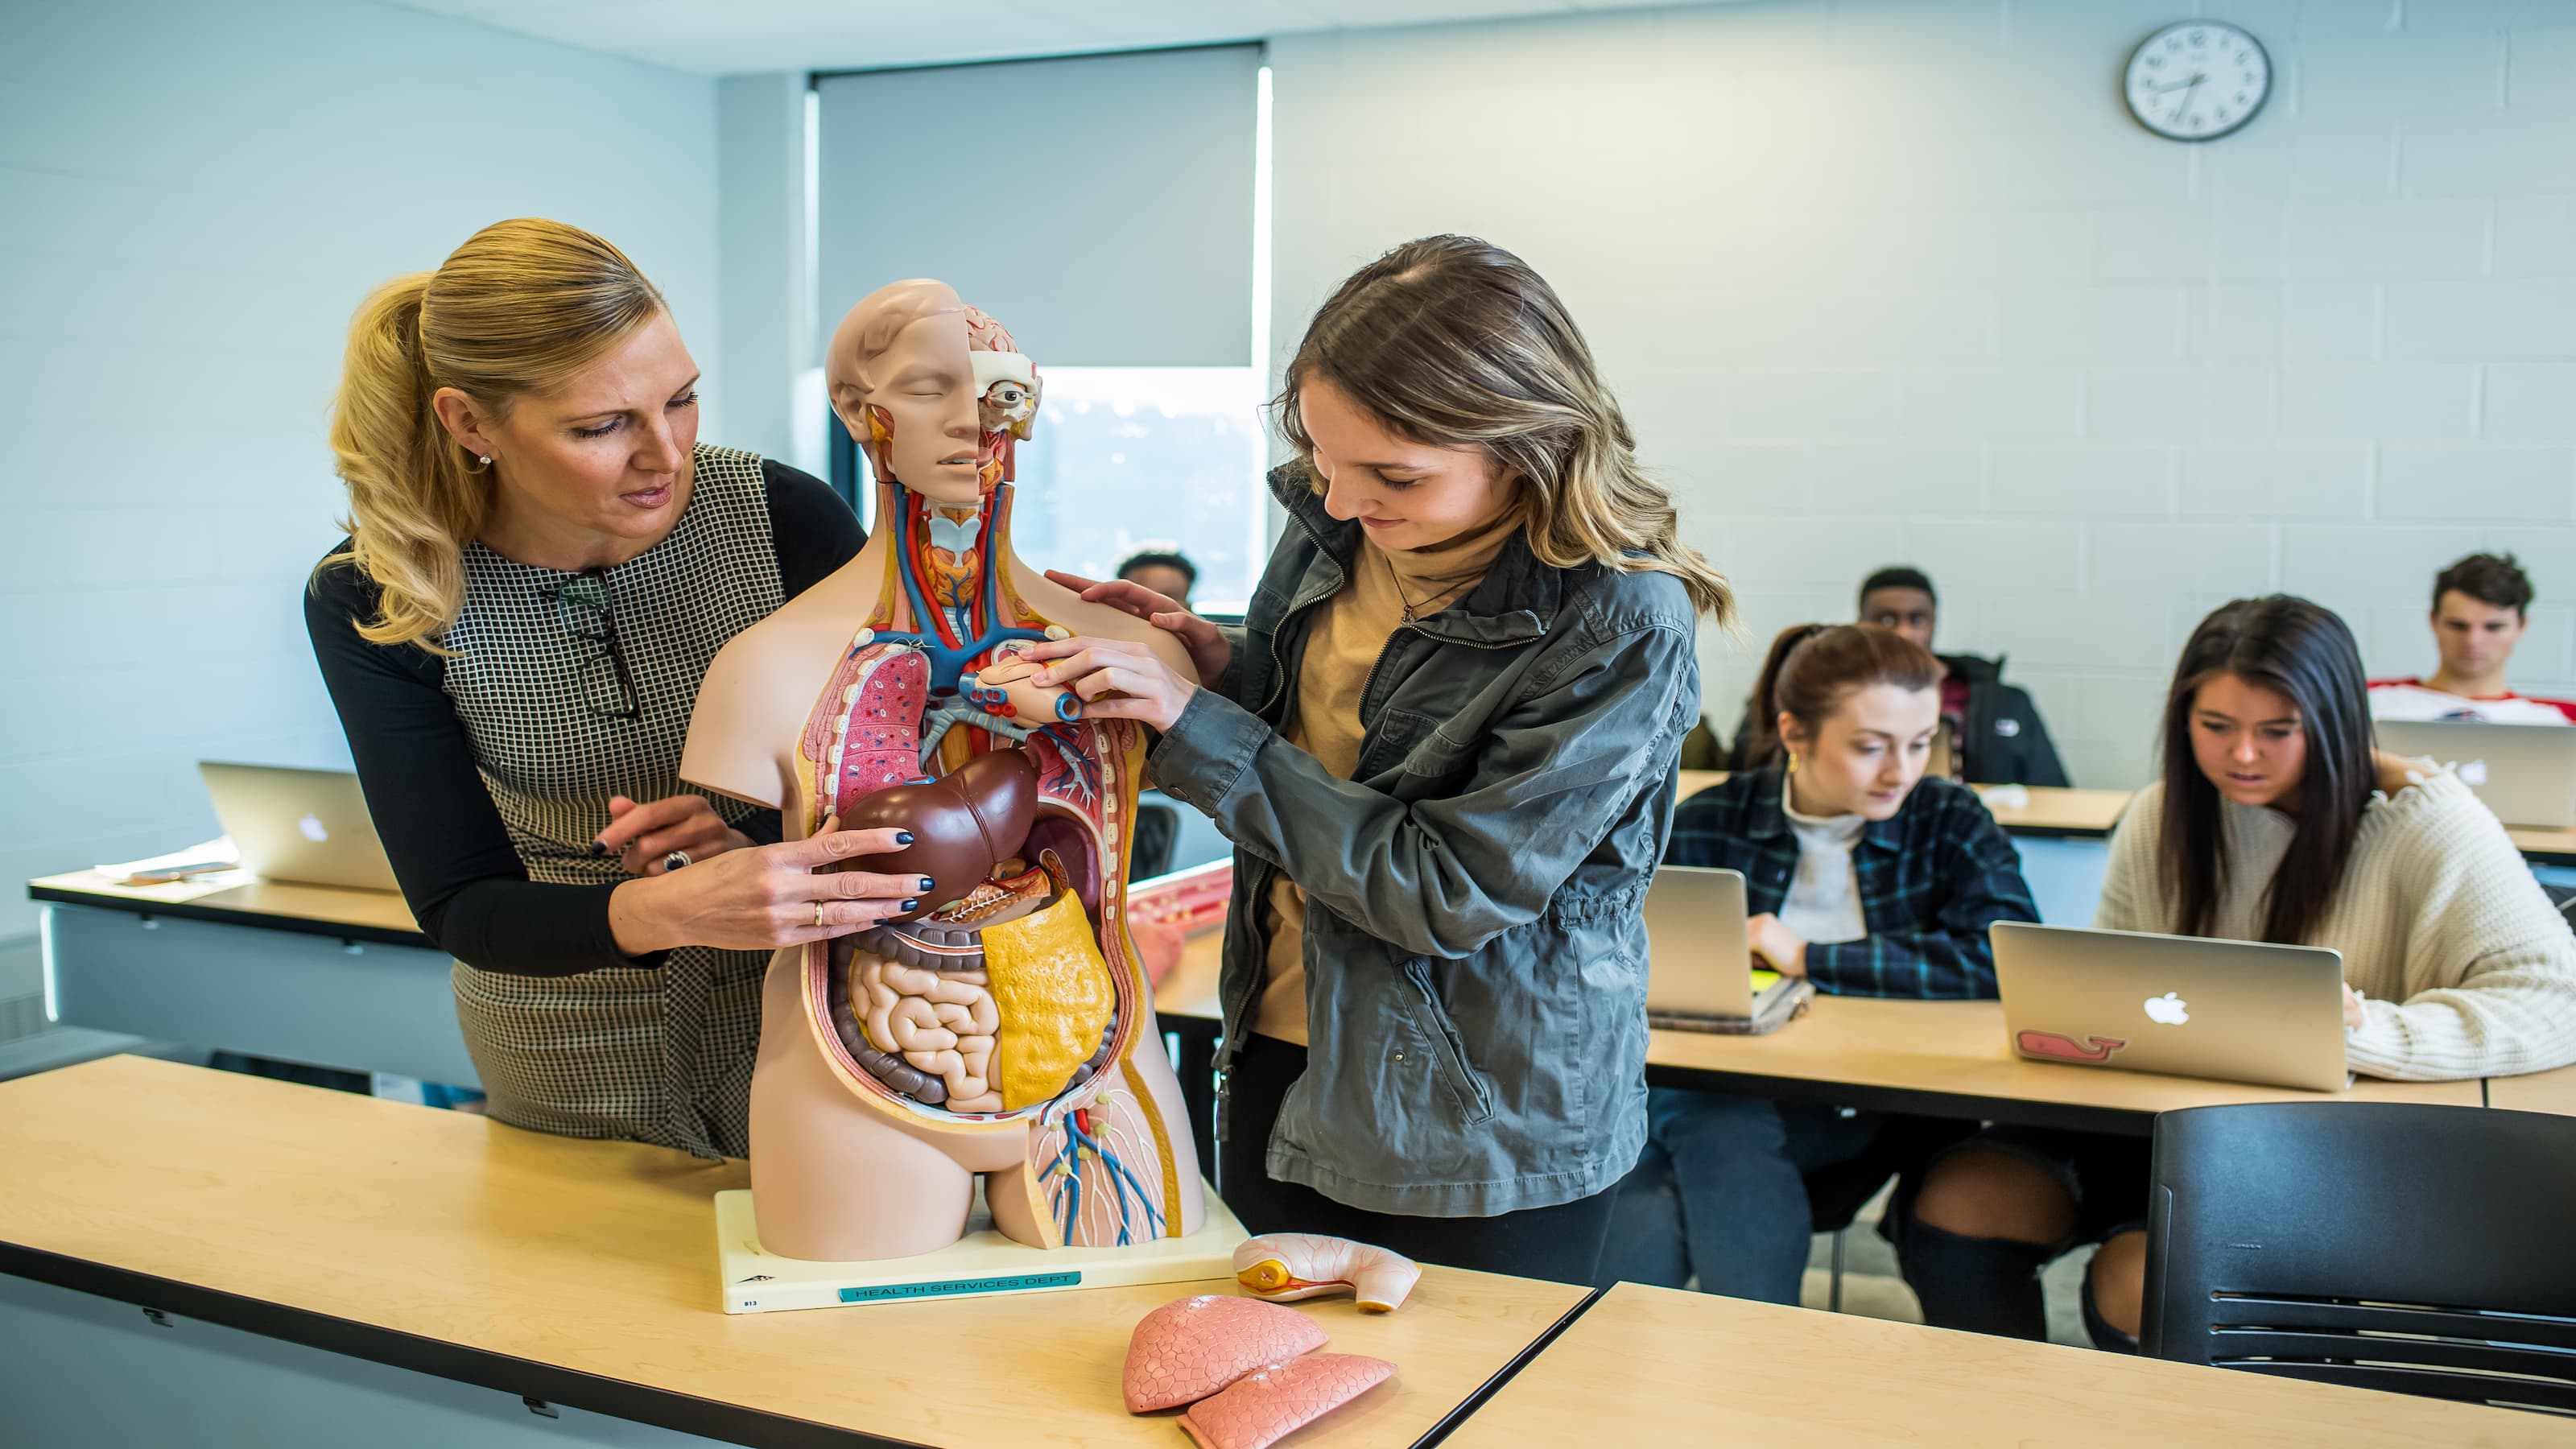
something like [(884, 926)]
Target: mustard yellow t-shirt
[(1350, 632)]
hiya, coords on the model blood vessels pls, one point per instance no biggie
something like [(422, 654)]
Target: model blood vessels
[(1004, 1029), (1283, 1267)]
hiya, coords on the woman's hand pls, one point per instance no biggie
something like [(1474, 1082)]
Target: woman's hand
[(1116, 678), (1774, 944), (760, 897), (2351, 1006), (644, 835), (1210, 653)]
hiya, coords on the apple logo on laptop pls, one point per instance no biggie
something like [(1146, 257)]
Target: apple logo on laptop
[(2474, 773), (310, 827), (2167, 1010)]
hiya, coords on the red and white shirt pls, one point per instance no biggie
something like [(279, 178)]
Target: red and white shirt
[(2412, 699)]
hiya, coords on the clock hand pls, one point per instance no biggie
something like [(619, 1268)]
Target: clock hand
[(2183, 107), (2177, 85)]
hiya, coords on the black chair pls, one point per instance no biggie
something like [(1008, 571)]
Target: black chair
[(2420, 1250), (1158, 834)]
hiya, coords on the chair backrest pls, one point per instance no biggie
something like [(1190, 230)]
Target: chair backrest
[(2421, 1250)]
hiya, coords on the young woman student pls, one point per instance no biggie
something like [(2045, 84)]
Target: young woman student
[(2275, 821), (1866, 878), (1443, 744)]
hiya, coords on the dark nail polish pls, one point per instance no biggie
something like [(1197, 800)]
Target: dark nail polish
[(903, 837), (598, 848), (912, 905), (928, 884)]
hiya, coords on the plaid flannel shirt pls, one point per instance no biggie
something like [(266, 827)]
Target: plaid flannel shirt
[(1931, 880)]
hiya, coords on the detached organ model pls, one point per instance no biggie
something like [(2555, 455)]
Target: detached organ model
[(1005, 1027)]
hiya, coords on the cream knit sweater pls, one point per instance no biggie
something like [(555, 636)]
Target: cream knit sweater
[(2465, 968)]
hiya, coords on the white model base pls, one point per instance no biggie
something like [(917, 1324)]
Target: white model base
[(980, 1264)]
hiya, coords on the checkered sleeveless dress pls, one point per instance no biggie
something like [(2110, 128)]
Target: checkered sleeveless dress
[(663, 1054)]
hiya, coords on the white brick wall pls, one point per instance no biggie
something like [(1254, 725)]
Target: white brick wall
[(1899, 281), (193, 199)]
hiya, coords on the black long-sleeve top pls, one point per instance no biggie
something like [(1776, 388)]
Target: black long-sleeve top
[(463, 879)]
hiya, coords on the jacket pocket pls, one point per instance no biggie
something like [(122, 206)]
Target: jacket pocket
[(1475, 1100)]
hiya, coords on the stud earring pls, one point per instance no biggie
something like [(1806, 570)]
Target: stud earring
[(486, 459), (1793, 762)]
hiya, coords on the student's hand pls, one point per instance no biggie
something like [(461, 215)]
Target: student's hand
[(1771, 941), (2351, 1006), (762, 897), (1209, 651), (1117, 679), (644, 835)]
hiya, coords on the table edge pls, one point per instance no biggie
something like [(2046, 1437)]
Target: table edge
[(1919, 1101), (1511, 1369), (231, 916), (439, 1358)]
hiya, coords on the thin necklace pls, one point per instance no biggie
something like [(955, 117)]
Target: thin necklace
[(1397, 579)]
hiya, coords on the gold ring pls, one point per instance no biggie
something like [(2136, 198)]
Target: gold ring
[(818, 913)]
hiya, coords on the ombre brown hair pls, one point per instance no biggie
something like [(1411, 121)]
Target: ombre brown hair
[(1453, 342), (1812, 666), (519, 307)]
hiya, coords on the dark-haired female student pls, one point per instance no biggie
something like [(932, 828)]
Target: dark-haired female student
[(1867, 879), (2275, 821)]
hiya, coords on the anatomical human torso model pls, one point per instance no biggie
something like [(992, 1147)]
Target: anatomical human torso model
[(1005, 1028)]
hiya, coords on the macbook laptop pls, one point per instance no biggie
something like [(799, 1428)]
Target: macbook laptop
[(1700, 967), (2236, 1011), (2525, 772), (306, 826)]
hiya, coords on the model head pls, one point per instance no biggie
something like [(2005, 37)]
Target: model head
[(935, 391), (2481, 605), (1854, 707), (539, 346), (1444, 385), (1901, 599), (2268, 709)]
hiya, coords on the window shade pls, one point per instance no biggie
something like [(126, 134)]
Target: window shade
[(1099, 207)]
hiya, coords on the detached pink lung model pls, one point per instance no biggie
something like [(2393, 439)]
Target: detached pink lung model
[(1271, 1403), (1184, 1351), (1247, 1369)]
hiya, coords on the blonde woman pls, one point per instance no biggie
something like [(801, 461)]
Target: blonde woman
[(1443, 744), (541, 561)]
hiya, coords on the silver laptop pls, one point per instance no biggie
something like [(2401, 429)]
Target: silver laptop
[(2525, 772), (306, 826), (1700, 964), (2237, 1011)]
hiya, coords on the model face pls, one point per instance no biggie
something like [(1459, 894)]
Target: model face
[(1163, 579), (602, 454), (1866, 756), (2476, 638), (1406, 494), (1909, 612), (925, 398), (2249, 740)]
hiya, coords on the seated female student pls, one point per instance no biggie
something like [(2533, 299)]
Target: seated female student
[(2275, 821), (1868, 880)]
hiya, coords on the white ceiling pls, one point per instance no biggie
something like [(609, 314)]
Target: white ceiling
[(725, 37)]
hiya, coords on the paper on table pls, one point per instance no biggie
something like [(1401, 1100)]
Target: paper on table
[(180, 891)]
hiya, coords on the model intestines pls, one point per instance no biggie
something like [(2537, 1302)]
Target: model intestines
[(1010, 995)]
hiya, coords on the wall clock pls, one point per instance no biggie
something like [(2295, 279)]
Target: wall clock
[(2197, 80)]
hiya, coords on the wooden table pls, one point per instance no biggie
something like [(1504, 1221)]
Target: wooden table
[(1950, 1059), (2538, 1092), (2544, 847), (584, 1274), (2051, 811), (270, 905), (1655, 1367), (1937, 1058)]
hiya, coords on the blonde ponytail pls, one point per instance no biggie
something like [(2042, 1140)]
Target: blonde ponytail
[(519, 307)]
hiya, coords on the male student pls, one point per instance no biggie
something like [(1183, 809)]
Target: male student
[(1164, 569), (1999, 738), (2481, 605)]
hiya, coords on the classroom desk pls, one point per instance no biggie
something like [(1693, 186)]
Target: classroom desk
[(1655, 1366), (2538, 1092), (2544, 847), (1936, 1058), (335, 978), (2050, 811), (583, 1274)]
